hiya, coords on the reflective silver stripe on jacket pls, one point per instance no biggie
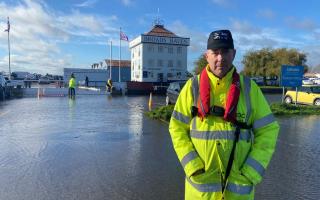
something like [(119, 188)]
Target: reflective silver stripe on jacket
[(247, 88), (239, 189), (263, 121), (220, 135), (195, 90), (181, 117), (255, 165), (208, 187), (187, 158)]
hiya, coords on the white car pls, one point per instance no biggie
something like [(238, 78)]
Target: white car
[(317, 81), (306, 81)]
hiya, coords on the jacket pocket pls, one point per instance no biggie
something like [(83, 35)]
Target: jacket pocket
[(206, 177), (238, 178)]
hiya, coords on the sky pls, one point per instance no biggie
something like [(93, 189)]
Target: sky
[(49, 35)]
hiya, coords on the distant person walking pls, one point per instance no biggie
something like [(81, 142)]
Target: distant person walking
[(109, 85), (72, 85), (87, 81)]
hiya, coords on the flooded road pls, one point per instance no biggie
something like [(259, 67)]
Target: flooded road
[(98, 147)]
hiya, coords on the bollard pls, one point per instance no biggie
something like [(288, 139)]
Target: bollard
[(38, 93), (150, 102)]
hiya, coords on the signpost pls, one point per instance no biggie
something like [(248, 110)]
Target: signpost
[(291, 76)]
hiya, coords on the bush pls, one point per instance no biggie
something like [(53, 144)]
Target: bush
[(163, 112), (291, 109)]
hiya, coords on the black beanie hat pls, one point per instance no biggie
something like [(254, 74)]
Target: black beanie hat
[(221, 39)]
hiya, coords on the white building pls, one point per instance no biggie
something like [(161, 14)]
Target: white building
[(159, 56)]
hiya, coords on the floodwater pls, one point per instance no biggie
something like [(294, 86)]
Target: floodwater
[(102, 147)]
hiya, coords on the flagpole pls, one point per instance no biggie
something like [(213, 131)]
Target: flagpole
[(9, 49), (120, 55), (110, 59)]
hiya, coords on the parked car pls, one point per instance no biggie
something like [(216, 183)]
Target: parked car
[(44, 80), (272, 81), (306, 81), (307, 94), (3, 83), (173, 91), (258, 79), (317, 81)]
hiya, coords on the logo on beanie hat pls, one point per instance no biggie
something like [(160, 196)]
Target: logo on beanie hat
[(221, 39)]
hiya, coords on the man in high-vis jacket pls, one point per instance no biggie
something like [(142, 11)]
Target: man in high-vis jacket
[(72, 86), (222, 128)]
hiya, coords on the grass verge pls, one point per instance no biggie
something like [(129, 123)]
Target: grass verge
[(278, 109)]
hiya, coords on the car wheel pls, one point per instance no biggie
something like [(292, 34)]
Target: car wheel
[(316, 102), (288, 100)]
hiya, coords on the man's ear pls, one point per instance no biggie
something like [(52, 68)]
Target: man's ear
[(205, 55)]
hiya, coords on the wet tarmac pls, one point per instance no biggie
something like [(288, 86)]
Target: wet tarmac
[(98, 147)]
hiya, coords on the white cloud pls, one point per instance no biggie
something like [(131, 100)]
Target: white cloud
[(127, 2), (301, 24), (224, 3), (220, 2), (36, 34), (88, 3), (244, 27), (267, 13), (313, 54)]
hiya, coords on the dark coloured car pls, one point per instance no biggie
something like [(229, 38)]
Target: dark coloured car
[(173, 91)]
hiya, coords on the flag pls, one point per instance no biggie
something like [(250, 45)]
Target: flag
[(8, 26), (123, 36)]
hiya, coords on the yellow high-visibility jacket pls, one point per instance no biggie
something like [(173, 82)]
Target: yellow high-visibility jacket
[(72, 83), (207, 144)]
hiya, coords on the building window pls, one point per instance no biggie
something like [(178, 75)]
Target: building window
[(170, 50), (160, 63), (179, 50), (150, 48), (160, 49), (179, 63), (170, 63), (138, 67), (145, 74), (169, 75), (150, 63)]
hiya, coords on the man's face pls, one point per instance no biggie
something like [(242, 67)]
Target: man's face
[(220, 61)]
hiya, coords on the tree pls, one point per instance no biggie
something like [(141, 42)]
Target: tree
[(268, 62), (200, 64)]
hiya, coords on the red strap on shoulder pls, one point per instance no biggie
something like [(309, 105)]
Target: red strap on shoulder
[(204, 94)]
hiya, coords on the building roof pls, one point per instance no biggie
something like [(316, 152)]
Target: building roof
[(115, 63), (159, 30)]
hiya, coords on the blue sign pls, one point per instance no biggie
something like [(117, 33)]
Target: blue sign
[(291, 76)]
